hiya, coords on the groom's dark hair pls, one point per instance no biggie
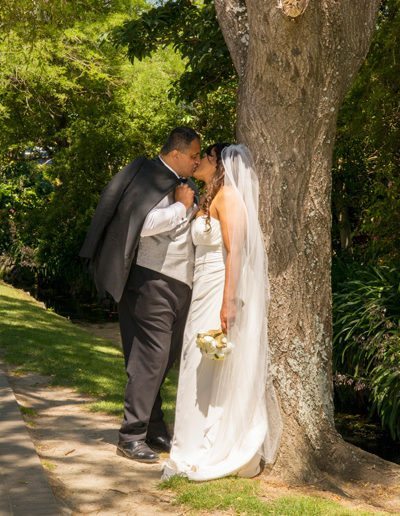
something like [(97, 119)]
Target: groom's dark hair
[(180, 139)]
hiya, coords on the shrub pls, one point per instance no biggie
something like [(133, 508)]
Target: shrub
[(367, 337)]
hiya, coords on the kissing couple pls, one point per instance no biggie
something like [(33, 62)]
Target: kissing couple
[(180, 265)]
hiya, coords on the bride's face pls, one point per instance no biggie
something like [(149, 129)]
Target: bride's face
[(207, 168)]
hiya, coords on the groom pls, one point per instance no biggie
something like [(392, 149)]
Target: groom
[(140, 251)]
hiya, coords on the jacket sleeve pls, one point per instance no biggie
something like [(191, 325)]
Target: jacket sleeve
[(106, 207)]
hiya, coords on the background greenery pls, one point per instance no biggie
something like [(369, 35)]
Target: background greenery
[(86, 86), (366, 236)]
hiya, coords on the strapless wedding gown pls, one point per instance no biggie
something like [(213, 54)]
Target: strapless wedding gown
[(199, 449)]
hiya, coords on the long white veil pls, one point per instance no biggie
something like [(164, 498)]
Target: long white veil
[(245, 387)]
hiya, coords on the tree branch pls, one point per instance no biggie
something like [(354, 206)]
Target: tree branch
[(232, 18), (357, 9), (355, 23)]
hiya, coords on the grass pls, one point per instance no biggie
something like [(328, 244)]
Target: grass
[(36, 339), (243, 496), (27, 411), (50, 466)]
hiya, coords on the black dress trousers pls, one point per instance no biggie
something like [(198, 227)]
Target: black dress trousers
[(152, 316)]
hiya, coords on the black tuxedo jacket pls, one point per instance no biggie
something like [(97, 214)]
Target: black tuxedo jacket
[(113, 236)]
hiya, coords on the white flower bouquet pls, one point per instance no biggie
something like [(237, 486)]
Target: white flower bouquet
[(214, 344)]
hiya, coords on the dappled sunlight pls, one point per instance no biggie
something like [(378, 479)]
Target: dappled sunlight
[(36, 339), (77, 448), (107, 350), (52, 346)]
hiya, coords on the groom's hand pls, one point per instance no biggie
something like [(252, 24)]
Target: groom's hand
[(185, 195)]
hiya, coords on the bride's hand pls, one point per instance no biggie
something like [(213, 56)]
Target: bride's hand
[(227, 315), (224, 319)]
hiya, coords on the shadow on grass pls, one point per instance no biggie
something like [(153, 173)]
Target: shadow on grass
[(35, 339)]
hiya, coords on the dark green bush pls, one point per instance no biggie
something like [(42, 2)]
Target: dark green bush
[(366, 341)]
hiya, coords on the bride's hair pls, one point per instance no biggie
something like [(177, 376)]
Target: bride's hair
[(217, 180)]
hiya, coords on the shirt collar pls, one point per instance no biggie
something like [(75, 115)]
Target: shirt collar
[(171, 169)]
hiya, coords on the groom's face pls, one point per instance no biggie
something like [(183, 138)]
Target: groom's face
[(188, 160)]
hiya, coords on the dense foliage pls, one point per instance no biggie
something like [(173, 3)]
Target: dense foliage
[(367, 339), (72, 111), (366, 172), (208, 83), (366, 237), (192, 29)]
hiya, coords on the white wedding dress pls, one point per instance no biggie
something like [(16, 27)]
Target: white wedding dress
[(227, 417), (196, 451)]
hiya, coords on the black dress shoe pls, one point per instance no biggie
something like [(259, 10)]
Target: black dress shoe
[(160, 443), (137, 450)]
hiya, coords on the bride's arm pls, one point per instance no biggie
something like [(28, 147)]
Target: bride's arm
[(232, 220)]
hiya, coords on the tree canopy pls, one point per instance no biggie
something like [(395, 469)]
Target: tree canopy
[(191, 28), (72, 101)]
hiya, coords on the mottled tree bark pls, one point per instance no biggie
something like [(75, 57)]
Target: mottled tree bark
[(293, 74)]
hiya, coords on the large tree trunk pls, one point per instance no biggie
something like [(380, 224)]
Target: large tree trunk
[(293, 74)]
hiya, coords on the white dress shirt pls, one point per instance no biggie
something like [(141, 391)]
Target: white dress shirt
[(164, 216)]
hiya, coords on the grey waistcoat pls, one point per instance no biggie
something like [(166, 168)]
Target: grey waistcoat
[(171, 253)]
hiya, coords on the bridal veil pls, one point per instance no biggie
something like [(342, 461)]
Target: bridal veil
[(245, 387)]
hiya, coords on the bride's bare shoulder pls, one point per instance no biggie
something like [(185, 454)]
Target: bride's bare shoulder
[(223, 202), (225, 194)]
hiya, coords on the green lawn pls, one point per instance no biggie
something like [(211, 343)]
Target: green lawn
[(244, 496), (39, 340), (35, 339)]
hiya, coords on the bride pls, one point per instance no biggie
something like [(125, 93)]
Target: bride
[(227, 417)]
